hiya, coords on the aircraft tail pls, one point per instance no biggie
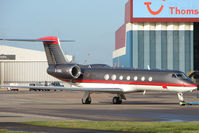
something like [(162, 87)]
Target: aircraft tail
[(54, 53)]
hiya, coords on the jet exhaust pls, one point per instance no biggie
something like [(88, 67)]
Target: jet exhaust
[(67, 71)]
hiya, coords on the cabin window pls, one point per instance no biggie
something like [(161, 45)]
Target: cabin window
[(135, 78), (113, 77), (128, 78), (150, 79), (143, 78), (106, 76), (121, 77)]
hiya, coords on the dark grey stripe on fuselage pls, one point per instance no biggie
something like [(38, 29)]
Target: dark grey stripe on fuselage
[(158, 76)]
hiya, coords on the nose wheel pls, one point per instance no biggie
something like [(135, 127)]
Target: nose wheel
[(117, 100), (182, 103)]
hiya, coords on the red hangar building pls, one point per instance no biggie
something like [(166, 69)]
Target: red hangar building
[(161, 34)]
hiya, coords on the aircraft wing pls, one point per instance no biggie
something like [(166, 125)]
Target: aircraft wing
[(110, 90)]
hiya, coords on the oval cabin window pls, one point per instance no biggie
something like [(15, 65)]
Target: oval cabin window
[(121, 77), (128, 78), (150, 79), (113, 77), (135, 78), (143, 78), (106, 77)]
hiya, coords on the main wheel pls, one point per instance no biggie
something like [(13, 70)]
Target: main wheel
[(88, 101), (117, 100)]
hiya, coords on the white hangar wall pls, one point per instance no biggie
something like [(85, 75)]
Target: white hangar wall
[(24, 72), (29, 66)]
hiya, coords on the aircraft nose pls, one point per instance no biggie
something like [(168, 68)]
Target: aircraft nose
[(195, 85), (190, 85)]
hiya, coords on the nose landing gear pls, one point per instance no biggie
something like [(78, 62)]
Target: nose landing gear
[(181, 99)]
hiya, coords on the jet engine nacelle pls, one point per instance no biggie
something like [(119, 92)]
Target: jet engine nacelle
[(68, 71)]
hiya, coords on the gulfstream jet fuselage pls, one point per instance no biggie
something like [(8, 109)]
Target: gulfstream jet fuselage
[(102, 78)]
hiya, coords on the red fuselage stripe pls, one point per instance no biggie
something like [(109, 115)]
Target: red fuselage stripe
[(133, 83)]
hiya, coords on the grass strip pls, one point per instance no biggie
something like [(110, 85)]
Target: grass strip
[(7, 131), (135, 127)]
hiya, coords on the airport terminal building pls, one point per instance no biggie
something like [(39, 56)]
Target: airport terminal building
[(160, 34)]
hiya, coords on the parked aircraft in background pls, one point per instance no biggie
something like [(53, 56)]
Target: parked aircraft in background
[(102, 78)]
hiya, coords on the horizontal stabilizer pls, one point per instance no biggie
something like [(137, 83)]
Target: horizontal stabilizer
[(35, 40)]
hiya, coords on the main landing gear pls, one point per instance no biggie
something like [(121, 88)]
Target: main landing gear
[(118, 99), (181, 99), (87, 98)]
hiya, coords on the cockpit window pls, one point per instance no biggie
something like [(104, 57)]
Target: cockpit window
[(174, 76), (179, 75)]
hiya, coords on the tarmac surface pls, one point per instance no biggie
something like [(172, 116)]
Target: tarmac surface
[(25, 106)]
